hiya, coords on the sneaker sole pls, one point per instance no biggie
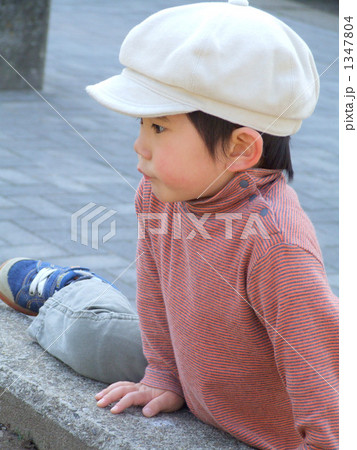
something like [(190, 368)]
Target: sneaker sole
[(5, 299)]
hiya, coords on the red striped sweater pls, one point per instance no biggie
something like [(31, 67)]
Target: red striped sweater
[(236, 312)]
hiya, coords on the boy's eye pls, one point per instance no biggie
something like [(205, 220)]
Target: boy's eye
[(158, 128)]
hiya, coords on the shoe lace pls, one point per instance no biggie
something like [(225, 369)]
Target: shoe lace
[(38, 283)]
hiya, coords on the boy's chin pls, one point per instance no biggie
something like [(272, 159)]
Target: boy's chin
[(166, 198), (169, 197)]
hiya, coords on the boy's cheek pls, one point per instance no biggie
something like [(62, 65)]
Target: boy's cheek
[(171, 173)]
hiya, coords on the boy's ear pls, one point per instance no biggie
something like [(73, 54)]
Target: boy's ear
[(246, 148)]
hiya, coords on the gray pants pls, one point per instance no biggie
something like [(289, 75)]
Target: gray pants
[(92, 327)]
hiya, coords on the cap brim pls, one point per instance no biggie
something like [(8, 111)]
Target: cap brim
[(128, 95), (136, 95)]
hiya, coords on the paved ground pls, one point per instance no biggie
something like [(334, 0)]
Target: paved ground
[(48, 171)]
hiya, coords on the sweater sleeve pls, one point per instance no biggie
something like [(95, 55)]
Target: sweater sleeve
[(290, 295), (161, 371)]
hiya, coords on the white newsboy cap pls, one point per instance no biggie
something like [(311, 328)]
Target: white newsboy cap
[(226, 59)]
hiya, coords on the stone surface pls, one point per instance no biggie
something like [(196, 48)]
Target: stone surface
[(55, 407), (60, 152)]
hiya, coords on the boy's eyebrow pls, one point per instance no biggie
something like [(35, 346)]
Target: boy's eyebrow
[(163, 118)]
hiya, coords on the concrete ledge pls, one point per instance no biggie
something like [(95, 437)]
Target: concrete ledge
[(49, 403), (23, 42)]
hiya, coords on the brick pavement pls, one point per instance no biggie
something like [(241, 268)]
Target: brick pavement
[(48, 172)]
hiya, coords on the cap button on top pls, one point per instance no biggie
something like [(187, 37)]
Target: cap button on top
[(239, 2)]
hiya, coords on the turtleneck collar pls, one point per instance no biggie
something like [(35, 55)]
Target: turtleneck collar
[(243, 186)]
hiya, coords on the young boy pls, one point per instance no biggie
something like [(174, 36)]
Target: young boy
[(236, 315)]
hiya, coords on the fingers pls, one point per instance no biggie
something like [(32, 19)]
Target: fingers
[(166, 402), (132, 399), (137, 394), (116, 393), (102, 393)]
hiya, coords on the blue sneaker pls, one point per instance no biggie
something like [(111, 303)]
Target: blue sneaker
[(25, 284)]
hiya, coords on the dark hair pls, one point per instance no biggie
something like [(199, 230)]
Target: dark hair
[(215, 131)]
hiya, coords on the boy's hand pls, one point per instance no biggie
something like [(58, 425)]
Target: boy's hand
[(130, 394)]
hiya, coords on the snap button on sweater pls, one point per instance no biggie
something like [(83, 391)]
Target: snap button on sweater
[(264, 212), (244, 183)]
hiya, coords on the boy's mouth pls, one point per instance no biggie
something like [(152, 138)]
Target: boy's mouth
[(145, 176)]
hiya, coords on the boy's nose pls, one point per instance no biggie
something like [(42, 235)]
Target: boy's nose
[(141, 149)]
